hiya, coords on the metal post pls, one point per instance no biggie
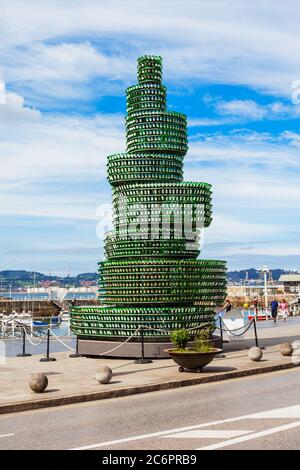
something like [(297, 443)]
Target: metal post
[(69, 326), (220, 355), (48, 358), (23, 354), (255, 332), (76, 353), (142, 360), (221, 330)]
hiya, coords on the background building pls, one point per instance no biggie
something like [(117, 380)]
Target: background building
[(291, 283)]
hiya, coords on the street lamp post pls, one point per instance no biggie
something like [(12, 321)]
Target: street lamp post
[(265, 270)]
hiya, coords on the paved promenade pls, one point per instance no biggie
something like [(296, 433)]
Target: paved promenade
[(71, 380), (269, 334)]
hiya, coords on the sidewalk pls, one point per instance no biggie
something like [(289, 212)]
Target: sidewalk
[(269, 334), (71, 380)]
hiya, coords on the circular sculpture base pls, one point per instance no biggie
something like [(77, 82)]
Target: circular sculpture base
[(89, 347), (96, 348)]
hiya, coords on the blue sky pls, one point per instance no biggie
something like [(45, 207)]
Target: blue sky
[(229, 66)]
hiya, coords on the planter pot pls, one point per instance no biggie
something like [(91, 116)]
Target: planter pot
[(192, 360)]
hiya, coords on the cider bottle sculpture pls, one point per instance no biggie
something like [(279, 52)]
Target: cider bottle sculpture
[(151, 278)]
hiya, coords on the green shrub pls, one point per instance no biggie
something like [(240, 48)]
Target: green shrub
[(203, 341), (180, 338)]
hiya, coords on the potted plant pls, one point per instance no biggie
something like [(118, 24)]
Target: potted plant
[(199, 354)]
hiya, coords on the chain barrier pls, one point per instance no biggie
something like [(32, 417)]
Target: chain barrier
[(199, 327), (58, 338), (124, 342), (60, 341), (31, 342), (21, 326), (236, 329), (168, 332), (247, 327)]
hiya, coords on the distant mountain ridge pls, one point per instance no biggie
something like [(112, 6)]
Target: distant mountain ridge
[(23, 278), (254, 274)]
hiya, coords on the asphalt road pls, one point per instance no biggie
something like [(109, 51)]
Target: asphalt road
[(217, 416)]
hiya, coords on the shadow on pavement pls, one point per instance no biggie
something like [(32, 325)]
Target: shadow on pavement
[(215, 369), (144, 370)]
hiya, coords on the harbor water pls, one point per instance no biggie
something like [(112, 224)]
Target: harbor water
[(13, 346)]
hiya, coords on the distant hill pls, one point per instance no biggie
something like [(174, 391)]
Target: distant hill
[(22, 278), (253, 273)]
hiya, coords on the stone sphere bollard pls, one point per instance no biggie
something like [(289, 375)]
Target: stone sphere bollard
[(38, 382), (103, 375), (255, 354), (286, 349)]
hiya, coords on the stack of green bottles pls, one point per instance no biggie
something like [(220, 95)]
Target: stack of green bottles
[(151, 276), (177, 248), (162, 281), (114, 323), (126, 168)]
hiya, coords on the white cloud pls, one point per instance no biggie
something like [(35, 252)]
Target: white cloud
[(245, 109), (75, 52), (13, 112), (273, 250), (198, 122), (255, 44), (247, 149), (256, 194), (71, 205), (61, 70), (40, 151), (282, 253), (234, 230), (59, 148), (292, 137), (242, 111), (37, 146)]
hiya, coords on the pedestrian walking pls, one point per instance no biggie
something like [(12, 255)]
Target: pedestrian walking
[(228, 306), (283, 309), (256, 307), (274, 309)]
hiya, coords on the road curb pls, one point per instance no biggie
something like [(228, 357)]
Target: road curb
[(127, 391)]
